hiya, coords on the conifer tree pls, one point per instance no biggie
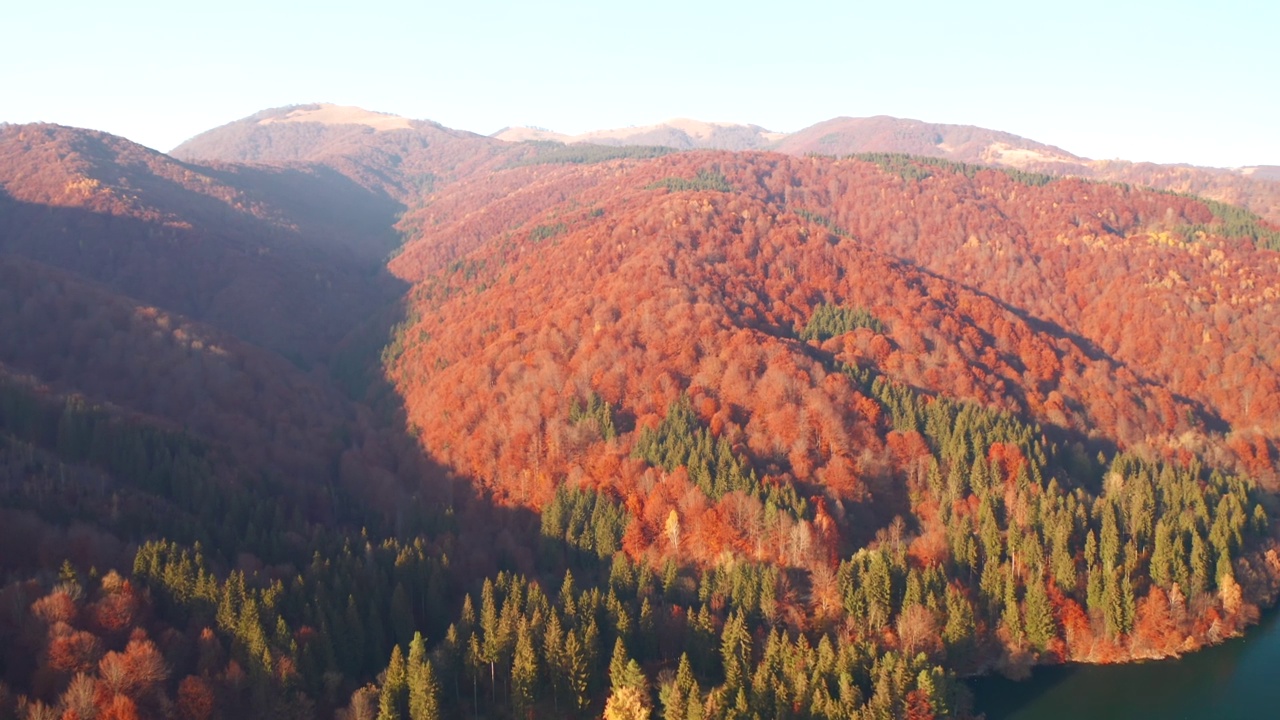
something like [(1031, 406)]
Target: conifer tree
[(466, 618), (959, 630), (1011, 617), (1039, 615), (489, 625), (1199, 565), (394, 693), (568, 594), (735, 652), (553, 656), (879, 584), (475, 661), (524, 673), (617, 664), (1119, 604), (1096, 592), (576, 670), (424, 688)]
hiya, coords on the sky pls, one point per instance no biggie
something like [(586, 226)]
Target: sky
[(1168, 81)]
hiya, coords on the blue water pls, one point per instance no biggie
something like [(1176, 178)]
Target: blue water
[(1238, 680)]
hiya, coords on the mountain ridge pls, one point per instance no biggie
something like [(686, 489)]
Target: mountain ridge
[(1255, 187)]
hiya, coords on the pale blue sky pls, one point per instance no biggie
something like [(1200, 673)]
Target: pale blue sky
[(1163, 81)]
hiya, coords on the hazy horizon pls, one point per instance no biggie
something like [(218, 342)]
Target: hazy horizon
[(1170, 82)]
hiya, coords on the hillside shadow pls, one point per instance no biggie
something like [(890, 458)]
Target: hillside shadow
[(265, 285), (372, 481), (502, 540)]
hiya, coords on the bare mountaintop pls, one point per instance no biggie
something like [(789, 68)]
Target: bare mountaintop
[(327, 114), (380, 150), (681, 133)]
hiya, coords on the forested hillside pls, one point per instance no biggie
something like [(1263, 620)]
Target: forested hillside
[(1254, 188), (400, 422)]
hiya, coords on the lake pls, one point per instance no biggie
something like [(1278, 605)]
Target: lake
[(1239, 679)]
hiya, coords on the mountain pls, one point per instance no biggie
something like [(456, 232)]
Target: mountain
[(961, 143), (308, 132), (337, 409), (1256, 191), (288, 258), (393, 155), (1255, 188), (680, 133), (1262, 172), (402, 157)]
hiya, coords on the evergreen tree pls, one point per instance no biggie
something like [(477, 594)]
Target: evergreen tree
[(576, 670), (1119, 604), (1064, 564), (879, 589), (489, 625), (1199, 565), (424, 688), (394, 695), (735, 651), (475, 661), (524, 673), (1011, 617), (553, 656), (1039, 615), (1095, 594), (958, 633), (1161, 565)]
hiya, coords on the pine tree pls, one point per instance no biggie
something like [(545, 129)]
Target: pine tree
[(567, 595), (417, 650), (1110, 547), (1039, 615), (576, 670), (424, 688), (674, 706), (1064, 564), (1119, 604), (1162, 556), (524, 673), (475, 661), (424, 693), (467, 618), (1199, 565), (685, 679), (489, 625), (702, 644), (449, 658), (553, 656), (617, 664), (1096, 592), (395, 686), (959, 630), (879, 588), (1011, 617), (735, 651)]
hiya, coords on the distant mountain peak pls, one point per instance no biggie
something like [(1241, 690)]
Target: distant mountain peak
[(330, 114), (682, 133)]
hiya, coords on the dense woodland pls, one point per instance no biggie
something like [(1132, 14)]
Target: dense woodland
[(616, 432)]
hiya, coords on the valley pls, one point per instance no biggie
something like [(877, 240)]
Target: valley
[(331, 413)]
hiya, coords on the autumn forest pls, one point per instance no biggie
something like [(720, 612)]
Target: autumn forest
[(373, 422)]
